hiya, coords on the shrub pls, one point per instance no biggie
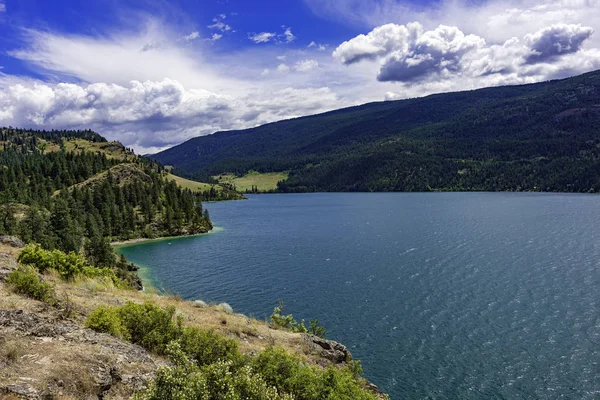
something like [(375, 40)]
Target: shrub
[(209, 366), (289, 374), (148, 325), (25, 280), (106, 319), (288, 322), (206, 347), (69, 266), (220, 380)]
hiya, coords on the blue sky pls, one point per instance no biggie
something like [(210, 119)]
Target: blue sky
[(153, 73)]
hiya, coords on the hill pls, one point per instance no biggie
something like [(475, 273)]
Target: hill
[(533, 137), (73, 191)]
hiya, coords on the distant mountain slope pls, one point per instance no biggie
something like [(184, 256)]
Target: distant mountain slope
[(543, 136)]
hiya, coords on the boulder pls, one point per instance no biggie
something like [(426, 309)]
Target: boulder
[(333, 351), (12, 241)]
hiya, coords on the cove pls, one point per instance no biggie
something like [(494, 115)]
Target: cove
[(440, 295)]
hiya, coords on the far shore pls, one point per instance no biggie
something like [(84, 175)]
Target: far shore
[(131, 242)]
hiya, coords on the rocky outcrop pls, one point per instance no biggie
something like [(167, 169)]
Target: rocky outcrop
[(331, 350), (12, 241), (111, 367)]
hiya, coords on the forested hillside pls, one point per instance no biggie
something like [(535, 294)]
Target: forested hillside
[(543, 136), (75, 192)]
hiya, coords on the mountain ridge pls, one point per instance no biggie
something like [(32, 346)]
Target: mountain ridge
[(413, 144)]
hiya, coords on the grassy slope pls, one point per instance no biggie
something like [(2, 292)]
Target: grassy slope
[(115, 150), (263, 181), (112, 150), (193, 185)]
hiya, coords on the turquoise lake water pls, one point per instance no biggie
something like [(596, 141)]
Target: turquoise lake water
[(440, 295)]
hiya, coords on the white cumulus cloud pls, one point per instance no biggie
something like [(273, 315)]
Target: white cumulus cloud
[(150, 115), (557, 40), (408, 53)]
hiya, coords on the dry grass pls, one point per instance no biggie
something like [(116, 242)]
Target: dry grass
[(112, 150), (263, 181), (193, 185)]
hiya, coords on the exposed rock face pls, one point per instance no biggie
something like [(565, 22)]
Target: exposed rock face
[(109, 367), (333, 351), (12, 241)]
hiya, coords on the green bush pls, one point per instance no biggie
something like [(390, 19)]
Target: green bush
[(209, 366), (220, 380), (289, 374), (25, 280), (206, 347), (288, 322), (69, 266), (106, 319), (148, 325)]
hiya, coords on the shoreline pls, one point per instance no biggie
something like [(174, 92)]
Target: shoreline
[(132, 242)]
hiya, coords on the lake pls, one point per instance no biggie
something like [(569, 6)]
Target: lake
[(440, 295)]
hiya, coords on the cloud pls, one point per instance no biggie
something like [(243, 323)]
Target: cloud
[(283, 68), (408, 53), (281, 58), (2, 7), (150, 115), (306, 65), (214, 37), (135, 97), (151, 54), (320, 47), (192, 36), (172, 91), (288, 36), (219, 23), (557, 40), (263, 37)]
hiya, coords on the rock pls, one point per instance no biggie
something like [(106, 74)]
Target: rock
[(226, 308), (12, 241), (329, 349), (200, 304), (23, 391), (371, 387)]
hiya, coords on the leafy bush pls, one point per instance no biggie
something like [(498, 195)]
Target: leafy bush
[(25, 280), (289, 374), (220, 380), (69, 266), (289, 323), (148, 325), (209, 366), (206, 347), (106, 319)]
